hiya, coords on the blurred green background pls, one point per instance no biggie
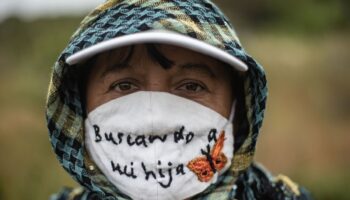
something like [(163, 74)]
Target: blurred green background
[(304, 46)]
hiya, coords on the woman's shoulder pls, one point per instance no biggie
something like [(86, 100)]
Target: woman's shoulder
[(258, 183)]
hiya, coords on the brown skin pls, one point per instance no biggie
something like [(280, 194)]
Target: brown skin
[(194, 76)]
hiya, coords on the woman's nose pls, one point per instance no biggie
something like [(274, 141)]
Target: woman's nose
[(158, 85)]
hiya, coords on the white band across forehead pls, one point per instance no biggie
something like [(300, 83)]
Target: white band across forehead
[(158, 36)]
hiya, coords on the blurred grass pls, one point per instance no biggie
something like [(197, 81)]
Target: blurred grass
[(29, 168), (306, 129), (293, 16)]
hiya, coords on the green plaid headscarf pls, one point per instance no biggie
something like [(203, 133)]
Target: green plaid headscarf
[(199, 19)]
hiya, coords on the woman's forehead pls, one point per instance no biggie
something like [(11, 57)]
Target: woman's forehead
[(167, 56)]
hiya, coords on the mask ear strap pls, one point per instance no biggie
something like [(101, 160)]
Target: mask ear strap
[(233, 111)]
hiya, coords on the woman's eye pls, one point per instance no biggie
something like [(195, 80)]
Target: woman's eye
[(192, 87), (124, 87)]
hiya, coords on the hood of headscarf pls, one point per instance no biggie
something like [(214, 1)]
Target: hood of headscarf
[(199, 19)]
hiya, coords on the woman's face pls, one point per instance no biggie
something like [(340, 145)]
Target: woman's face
[(170, 69)]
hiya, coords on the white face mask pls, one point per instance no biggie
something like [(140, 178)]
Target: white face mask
[(155, 145)]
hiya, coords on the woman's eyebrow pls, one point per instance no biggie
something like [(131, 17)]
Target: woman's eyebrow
[(115, 68), (198, 67), (123, 61)]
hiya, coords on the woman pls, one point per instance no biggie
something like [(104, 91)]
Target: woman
[(158, 100)]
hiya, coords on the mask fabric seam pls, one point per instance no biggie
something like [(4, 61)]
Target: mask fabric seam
[(152, 130)]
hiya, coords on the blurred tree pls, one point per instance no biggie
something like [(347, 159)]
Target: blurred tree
[(307, 16)]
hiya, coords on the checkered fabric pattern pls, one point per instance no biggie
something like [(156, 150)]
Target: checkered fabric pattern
[(199, 19)]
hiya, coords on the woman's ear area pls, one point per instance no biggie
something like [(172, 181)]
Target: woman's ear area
[(240, 121), (84, 71)]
